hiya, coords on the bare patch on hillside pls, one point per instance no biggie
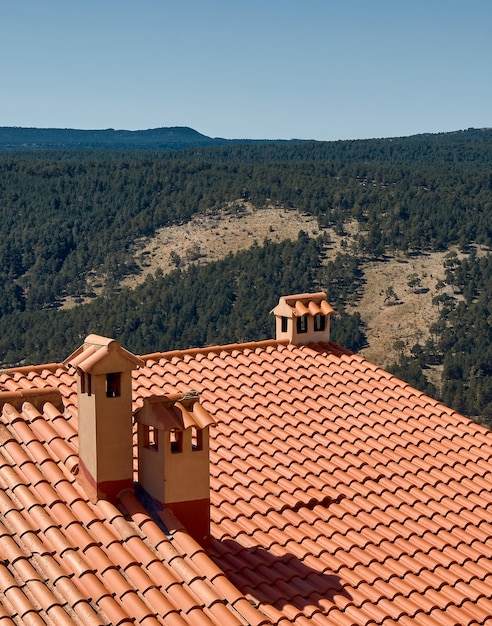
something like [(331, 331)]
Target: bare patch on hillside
[(213, 235), (207, 237), (405, 318)]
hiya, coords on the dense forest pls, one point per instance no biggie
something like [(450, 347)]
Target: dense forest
[(67, 215)]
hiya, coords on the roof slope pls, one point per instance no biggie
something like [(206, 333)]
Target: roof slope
[(64, 560), (340, 495)]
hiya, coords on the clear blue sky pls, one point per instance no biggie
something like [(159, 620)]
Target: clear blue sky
[(310, 69)]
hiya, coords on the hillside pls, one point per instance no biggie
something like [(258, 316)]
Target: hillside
[(213, 236), (394, 327), (176, 247)]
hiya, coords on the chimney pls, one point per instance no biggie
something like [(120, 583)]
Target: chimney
[(173, 458), (303, 318), (104, 388)]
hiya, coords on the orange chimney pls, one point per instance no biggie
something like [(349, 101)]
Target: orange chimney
[(303, 318), (173, 458), (104, 385)]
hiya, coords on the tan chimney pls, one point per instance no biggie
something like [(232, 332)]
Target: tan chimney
[(104, 386), (173, 458), (303, 318)]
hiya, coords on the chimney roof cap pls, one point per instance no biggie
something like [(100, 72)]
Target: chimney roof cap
[(175, 411), (300, 304), (94, 351)]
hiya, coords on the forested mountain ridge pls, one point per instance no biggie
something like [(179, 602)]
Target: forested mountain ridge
[(454, 145), (169, 138), (164, 138), (66, 215)]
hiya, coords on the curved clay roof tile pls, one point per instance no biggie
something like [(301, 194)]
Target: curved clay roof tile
[(326, 308), (314, 308), (301, 308)]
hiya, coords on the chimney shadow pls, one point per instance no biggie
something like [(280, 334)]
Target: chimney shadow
[(277, 580)]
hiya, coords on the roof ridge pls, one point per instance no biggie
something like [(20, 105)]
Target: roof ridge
[(32, 368), (35, 395), (217, 348), (27, 393)]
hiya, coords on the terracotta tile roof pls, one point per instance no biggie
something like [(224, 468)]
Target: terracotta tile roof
[(339, 495), (65, 560)]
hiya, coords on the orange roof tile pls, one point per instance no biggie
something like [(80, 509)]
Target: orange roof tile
[(338, 495)]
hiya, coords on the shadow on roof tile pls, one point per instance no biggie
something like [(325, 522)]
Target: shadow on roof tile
[(262, 570)]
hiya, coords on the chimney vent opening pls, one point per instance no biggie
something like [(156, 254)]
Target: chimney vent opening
[(113, 385), (85, 383), (150, 437), (302, 324), (196, 439), (319, 323), (176, 440)]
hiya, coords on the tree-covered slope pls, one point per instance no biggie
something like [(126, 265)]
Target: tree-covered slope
[(63, 214), (66, 215), (224, 302)]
